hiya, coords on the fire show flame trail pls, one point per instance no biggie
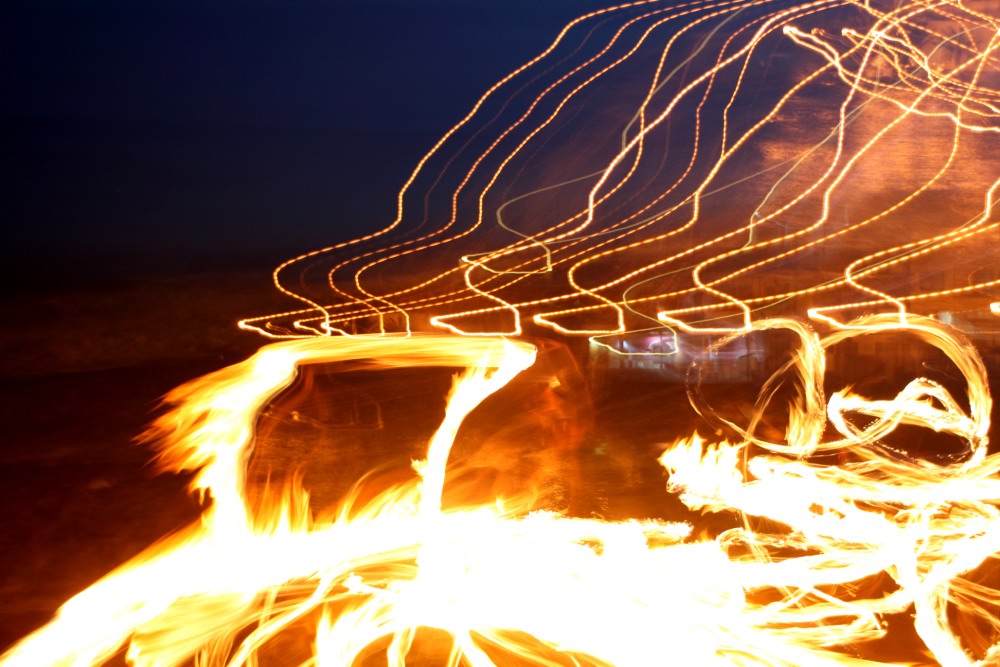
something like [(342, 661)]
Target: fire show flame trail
[(725, 169), (753, 157), (404, 562)]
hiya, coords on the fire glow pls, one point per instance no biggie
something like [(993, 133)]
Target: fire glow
[(840, 528)]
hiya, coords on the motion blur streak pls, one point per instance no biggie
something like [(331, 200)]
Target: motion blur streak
[(695, 165), (841, 545), (722, 169)]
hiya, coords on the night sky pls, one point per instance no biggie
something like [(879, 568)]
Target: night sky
[(175, 135)]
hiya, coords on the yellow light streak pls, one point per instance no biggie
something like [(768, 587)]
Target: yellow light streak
[(715, 168)]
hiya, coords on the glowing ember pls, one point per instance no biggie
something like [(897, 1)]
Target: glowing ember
[(841, 529)]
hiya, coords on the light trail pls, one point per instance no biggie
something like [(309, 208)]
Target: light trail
[(719, 169), (605, 212)]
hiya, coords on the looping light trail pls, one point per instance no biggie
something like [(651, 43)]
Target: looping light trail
[(714, 168)]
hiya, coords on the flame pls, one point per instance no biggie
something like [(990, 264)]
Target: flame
[(840, 532), (498, 579)]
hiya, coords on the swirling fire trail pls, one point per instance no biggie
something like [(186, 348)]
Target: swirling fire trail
[(703, 173)]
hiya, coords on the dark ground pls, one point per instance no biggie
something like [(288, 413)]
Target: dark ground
[(81, 375)]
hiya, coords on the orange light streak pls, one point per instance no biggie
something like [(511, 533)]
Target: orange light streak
[(568, 250), (720, 169)]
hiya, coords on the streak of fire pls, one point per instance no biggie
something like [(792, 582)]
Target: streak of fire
[(705, 169)]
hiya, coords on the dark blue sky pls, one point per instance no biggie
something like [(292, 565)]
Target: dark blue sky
[(168, 134)]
